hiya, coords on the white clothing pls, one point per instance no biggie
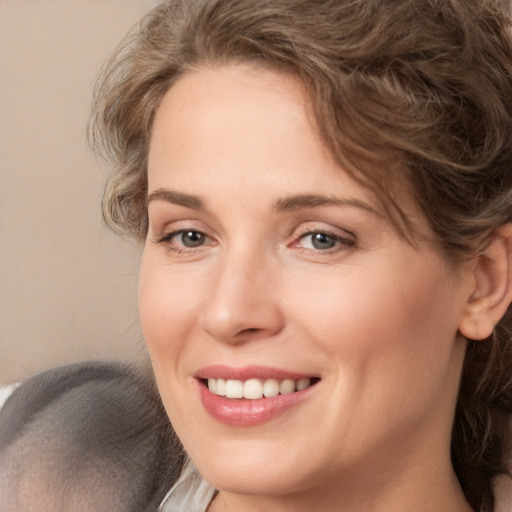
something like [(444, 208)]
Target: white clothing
[(6, 392), (190, 493)]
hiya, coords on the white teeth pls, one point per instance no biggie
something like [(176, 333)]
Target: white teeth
[(253, 389), (271, 388), (234, 389), (303, 384), (287, 386), (221, 387)]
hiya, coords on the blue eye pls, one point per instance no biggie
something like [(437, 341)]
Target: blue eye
[(191, 238), (187, 238), (322, 241)]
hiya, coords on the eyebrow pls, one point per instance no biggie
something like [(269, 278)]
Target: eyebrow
[(300, 202), (170, 196), (284, 204)]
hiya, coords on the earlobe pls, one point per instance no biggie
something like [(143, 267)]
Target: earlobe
[(492, 293)]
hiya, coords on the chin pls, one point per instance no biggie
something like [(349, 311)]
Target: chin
[(239, 469), (251, 479)]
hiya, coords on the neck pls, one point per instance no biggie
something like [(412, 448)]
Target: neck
[(427, 499)]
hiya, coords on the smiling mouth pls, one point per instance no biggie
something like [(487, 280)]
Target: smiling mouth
[(254, 389)]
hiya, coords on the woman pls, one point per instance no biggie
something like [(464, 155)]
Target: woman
[(324, 194)]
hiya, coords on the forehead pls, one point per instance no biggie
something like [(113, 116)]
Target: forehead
[(236, 123), (245, 101), (233, 120)]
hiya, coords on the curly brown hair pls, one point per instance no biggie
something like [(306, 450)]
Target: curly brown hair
[(402, 91)]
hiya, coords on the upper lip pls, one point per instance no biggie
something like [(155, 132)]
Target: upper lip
[(248, 372)]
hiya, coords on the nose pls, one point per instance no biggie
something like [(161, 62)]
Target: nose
[(243, 302)]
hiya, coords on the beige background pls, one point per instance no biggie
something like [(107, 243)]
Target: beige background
[(67, 286)]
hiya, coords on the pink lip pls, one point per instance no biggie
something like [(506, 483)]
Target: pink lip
[(243, 412), (248, 372)]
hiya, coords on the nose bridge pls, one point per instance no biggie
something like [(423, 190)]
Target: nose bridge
[(241, 304)]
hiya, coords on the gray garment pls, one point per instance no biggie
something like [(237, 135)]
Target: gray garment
[(190, 493)]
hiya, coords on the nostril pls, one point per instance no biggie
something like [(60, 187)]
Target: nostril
[(251, 333)]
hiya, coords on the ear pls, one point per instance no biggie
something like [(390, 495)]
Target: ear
[(492, 291)]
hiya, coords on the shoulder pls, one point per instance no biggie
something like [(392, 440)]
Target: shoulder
[(98, 430)]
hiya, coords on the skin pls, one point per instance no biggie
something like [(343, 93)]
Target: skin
[(374, 318)]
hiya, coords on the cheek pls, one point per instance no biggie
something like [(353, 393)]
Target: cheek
[(167, 307), (167, 313), (394, 318), (391, 347)]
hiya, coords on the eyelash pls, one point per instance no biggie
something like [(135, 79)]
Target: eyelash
[(340, 243), (166, 238)]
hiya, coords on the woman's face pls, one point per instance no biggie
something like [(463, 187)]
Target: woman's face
[(268, 270)]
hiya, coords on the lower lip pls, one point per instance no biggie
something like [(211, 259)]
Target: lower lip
[(248, 413)]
